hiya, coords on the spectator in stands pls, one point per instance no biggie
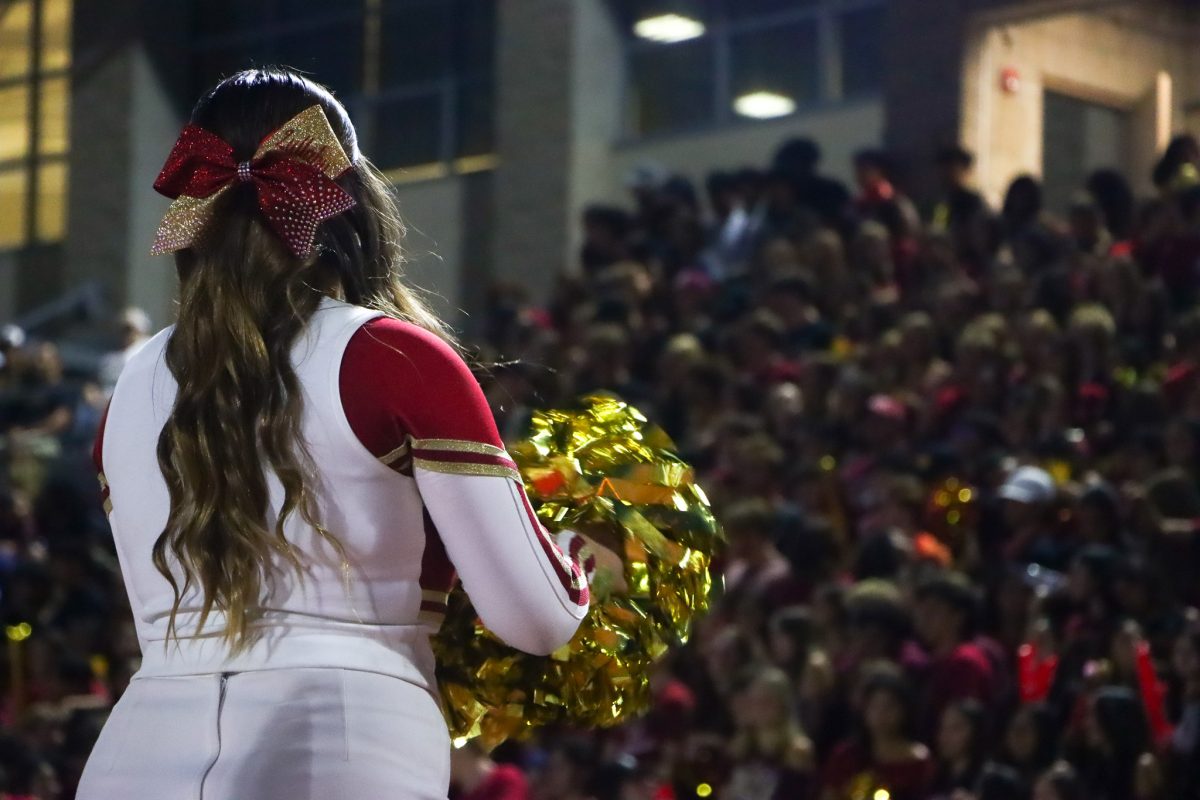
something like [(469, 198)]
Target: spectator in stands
[(797, 160), (884, 754), (962, 741), (1059, 783), (133, 330), (475, 776), (773, 758), (947, 612), (879, 199), (960, 202), (1030, 744)]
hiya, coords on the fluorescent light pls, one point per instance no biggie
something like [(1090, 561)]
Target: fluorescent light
[(764, 105), (668, 28)]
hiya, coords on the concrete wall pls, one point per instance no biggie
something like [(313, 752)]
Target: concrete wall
[(151, 279), (923, 55), (1114, 58), (434, 213)]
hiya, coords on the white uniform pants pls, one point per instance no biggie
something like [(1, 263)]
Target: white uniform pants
[(287, 734)]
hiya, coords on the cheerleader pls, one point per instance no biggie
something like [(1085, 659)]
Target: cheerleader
[(295, 473)]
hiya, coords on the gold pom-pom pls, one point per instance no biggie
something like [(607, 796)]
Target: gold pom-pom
[(604, 471)]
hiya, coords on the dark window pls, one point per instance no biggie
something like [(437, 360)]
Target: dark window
[(749, 9), (33, 157), (476, 119), (330, 54), (672, 86), (795, 49), (408, 132), (862, 51), (415, 43), (782, 60), (287, 10), (215, 17), (417, 75)]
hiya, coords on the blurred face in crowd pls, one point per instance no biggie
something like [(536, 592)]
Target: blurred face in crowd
[(1045, 789), (782, 647), (954, 735), (883, 714), (785, 406), (1081, 583), (1021, 738), (765, 701), (48, 364), (954, 174), (561, 777), (868, 174), (937, 623), (1185, 657), (1124, 648)]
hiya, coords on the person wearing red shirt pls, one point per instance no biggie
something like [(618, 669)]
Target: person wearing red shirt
[(475, 776), (959, 668)]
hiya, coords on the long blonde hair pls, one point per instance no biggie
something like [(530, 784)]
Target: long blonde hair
[(244, 301)]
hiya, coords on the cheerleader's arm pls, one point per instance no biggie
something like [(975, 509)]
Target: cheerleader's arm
[(411, 399)]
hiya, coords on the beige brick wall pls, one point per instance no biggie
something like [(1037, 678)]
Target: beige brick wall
[(1113, 57)]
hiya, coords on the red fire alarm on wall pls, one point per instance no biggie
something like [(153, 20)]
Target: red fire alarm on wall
[(1010, 80)]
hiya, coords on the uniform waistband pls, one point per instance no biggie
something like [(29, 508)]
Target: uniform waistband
[(402, 651)]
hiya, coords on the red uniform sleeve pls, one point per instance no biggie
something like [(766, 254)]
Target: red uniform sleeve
[(398, 380), (413, 402)]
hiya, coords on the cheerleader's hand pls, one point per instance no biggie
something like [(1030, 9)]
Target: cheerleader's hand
[(604, 569)]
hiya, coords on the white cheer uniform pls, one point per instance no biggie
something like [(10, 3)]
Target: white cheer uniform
[(336, 698)]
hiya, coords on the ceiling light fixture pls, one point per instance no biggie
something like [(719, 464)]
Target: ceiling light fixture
[(668, 28), (764, 105)]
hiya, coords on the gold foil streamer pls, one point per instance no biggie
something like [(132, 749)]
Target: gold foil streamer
[(604, 471)]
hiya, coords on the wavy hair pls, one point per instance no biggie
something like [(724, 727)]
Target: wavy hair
[(244, 301)]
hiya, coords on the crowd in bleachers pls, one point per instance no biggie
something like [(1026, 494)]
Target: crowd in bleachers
[(955, 450)]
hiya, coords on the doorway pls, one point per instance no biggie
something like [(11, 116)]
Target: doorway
[(1079, 137)]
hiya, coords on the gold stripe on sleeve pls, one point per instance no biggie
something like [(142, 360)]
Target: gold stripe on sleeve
[(389, 458), (457, 468), (461, 446)]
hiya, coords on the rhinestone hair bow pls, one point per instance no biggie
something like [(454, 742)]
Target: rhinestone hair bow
[(292, 171)]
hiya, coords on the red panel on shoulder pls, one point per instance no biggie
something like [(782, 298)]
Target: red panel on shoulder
[(399, 380)]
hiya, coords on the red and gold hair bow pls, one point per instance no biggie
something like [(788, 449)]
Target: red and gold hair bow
[(293, 172)]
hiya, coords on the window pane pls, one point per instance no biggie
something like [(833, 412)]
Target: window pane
[(12, 208), (330, 54), (229, 16), (476, 119), (51, 201), (781, 60), (15, 21), (415, 44), (14, 122), (56, 34), (54, 112), (299, 10), (408, 132), (748, 9), (475, 37), (213, 64), (672, 86), (862, 51)]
